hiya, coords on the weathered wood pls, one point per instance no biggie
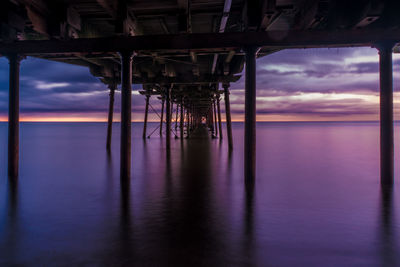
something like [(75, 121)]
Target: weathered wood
[(250, 116), (13, 115), (112, 87), (386, 113), (228, 116), (126, 109), (199, 41)]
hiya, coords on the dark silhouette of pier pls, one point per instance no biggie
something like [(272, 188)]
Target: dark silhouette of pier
[(183, 51)]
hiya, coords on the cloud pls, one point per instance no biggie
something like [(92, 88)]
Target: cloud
[(327, 82), (48, 85)]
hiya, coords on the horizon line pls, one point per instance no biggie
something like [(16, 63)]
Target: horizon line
[(233, 121)]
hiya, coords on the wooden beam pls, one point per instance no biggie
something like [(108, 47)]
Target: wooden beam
[(205, 41)]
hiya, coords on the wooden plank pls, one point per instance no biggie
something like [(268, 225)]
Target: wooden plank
[(195, 41)]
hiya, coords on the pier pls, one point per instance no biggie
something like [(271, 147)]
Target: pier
[(187, 53)]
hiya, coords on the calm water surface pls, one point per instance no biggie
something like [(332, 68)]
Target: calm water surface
[(317, 199)]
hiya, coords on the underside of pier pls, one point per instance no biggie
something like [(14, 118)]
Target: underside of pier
[(186, 53)]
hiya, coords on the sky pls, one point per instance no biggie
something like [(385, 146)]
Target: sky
[(340, 84)]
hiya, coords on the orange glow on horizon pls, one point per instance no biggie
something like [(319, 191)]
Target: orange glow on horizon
[(138, 117)]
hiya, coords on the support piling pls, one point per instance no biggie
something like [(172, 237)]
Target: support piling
[(219, 118), (126, 109), (228, 116), (146, 112), (13, 115), (386, 114), (215, 117), (168, 116), (112, 87), (250, 117), (181, 120), (162, 116)]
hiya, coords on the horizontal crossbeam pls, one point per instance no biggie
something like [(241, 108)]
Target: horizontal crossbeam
[(206, 41)]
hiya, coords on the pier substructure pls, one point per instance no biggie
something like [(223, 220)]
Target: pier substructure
[(250, 117), (228, 115), (13, 115), (146, 113), (126, 109), (112, 88), (168, 116), (219, 117), (386, 113), (162, 116)]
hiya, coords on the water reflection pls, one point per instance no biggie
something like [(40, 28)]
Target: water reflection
[(191, 207), (12, 231), (126, 251), (388, 240), (248, 222)]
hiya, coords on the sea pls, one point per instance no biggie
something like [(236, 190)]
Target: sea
[(316, 201)]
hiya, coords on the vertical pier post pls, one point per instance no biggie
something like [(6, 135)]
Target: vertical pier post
[(112, 87), (168, 116), (176, 115), (219, 118), (126, 109), (162, 116), (211, 116), (250, 117), (13, 115), (146, 112), (228, 115), (187, 122), (182, 120), (386, 113), (215, 118)]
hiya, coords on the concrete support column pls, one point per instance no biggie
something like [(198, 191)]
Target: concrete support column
[(13, 116), (228, 115), (162, 116), (146, 112), (126, 109), (112, 87), (386, 113), (219, 118), (250, 117), (168, 116)]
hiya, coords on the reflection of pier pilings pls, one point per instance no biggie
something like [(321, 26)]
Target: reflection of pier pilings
[(387, 230), (125, 228), (248, 222), (11, 231)]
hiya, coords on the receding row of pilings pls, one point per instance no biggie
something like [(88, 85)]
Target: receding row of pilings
[(386, 114), (188, 113)]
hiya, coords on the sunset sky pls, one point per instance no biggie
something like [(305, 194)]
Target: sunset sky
[(292, 85)]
